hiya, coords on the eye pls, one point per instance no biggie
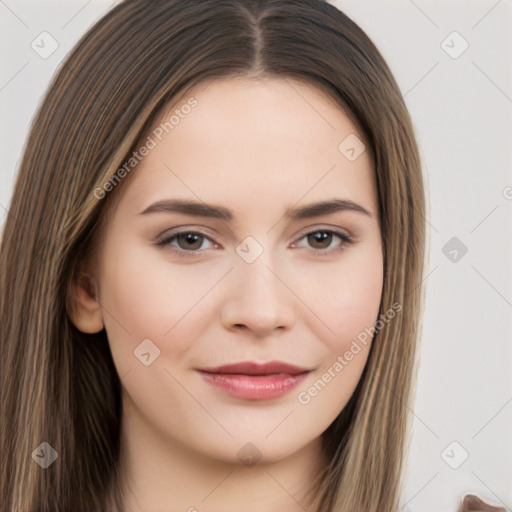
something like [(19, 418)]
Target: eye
[(189, 243), (323, 241), (192, 243)]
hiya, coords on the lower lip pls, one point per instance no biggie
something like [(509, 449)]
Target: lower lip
[(250, 387)]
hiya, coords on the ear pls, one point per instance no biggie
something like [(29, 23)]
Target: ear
[(84, 308)]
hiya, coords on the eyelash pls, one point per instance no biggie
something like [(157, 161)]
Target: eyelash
[(166, 240)]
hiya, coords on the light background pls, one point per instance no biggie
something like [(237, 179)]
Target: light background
[(462, 111)]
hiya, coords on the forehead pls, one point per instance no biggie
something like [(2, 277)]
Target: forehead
[(246, 137)]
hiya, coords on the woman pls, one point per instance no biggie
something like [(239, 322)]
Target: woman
[(211, 268)]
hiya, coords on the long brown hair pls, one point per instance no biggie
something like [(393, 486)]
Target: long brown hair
[(60, 386)]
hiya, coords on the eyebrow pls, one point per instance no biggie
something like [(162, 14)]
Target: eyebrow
[(220, 212)]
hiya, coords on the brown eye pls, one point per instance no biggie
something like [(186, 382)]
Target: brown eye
[(189, 241), (320, 239), (186, 243), (324, 241)]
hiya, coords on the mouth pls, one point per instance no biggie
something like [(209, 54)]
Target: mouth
[(255, 381)]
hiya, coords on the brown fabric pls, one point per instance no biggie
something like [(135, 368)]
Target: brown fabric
[(471, 503)]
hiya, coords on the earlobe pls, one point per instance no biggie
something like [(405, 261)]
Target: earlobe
[(85, 311)]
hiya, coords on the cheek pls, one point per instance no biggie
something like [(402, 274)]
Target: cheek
[(347, 299), (346, 294), (146, 297), (354, 299)]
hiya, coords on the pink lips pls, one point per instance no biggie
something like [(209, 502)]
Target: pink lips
[(255, 381)]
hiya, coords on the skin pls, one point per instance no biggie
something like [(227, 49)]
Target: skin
[(257, 148)]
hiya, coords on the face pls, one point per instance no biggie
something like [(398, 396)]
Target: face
[(241, 264)]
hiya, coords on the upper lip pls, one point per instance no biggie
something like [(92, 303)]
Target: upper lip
[(253, 368)]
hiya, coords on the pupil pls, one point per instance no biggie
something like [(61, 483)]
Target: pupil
[(318, 240)]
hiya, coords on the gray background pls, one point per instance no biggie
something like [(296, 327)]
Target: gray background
[(461, 105)]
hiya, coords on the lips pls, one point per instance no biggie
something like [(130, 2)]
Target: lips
[(255, 381), (259, 369)]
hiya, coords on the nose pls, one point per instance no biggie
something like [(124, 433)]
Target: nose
[(258, 300)]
